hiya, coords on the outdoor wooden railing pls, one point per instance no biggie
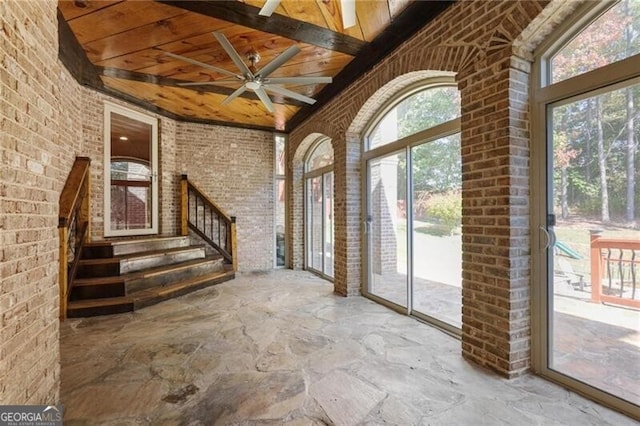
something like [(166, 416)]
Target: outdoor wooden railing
[(615, 270), (208, 221), (73, 225)]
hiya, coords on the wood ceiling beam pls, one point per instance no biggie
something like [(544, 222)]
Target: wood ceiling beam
[(247, 16), (174, 82), (415, 16), (73, 56)]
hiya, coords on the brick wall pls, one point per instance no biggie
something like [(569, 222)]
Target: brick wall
[(473, 40), (235, 168), (38, 143)]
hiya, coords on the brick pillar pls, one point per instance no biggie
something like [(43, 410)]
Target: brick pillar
[(495, 206), (347, 252), (295, 207)]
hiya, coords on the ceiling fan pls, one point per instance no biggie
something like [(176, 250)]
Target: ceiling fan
[(348, 11), (252, 79)]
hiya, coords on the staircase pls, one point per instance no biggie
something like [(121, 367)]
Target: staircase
[(122, 276)]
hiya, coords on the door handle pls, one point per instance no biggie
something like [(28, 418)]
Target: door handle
[(551, 237)]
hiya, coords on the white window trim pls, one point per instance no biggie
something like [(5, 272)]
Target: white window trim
[(109, 108)]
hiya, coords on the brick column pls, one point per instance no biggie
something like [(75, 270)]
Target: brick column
[(347, 193), (495, 206)]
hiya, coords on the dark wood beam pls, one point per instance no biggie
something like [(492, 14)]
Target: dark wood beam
[(246, 15), (173, 82), (410, 21), (161, 111), (73, 56)]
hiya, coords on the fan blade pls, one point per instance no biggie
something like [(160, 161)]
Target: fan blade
[(278, 61), (269, 7), (235, 94), (298, 80), (290, 94), (266, 100), (212, 83), (233, 54), (201, 64), (348, 13)]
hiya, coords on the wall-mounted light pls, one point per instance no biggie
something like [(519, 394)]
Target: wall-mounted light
[(123, 138)]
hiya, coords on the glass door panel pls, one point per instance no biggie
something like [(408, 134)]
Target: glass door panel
[(387, 228), (436, 238), (131, 192), (594, 259), (328, 223), (315, 223)]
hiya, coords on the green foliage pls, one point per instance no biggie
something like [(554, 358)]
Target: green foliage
[(614, 36), (444, 207)]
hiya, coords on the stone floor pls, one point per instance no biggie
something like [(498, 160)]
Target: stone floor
[(281, 348)]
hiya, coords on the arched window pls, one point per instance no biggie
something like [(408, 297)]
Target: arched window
[(319, 208), (585, 156), (413, 170)]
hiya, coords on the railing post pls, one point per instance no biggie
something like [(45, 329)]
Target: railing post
[(596, 266), (63, 233), (234, 249), (184, 206), (85, 209)]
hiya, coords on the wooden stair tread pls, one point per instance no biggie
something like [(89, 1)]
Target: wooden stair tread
[(168, 289), (146, 273), (141, 255), (83, 282), (107, 243), (95, 303)]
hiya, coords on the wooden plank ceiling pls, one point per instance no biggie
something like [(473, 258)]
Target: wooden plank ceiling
[(118, 47)]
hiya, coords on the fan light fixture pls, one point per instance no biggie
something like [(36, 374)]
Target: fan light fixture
[(257, 81)]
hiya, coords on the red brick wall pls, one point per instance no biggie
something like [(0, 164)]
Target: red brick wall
[(474, 40)]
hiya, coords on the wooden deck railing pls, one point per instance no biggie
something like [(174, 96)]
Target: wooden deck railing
[(615, 270), (208, 221), (73, 225)]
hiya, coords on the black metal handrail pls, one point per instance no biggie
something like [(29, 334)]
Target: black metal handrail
[(207, 220)]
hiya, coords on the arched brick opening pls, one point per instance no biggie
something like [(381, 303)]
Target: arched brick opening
[(296, 200), (488, 45)]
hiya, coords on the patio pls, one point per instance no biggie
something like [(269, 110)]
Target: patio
[(596, 343)]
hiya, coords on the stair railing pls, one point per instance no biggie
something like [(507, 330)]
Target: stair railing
[(73, 225), (201, 215)]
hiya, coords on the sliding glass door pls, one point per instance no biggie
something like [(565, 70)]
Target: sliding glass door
[(413, 208), (319, 209)]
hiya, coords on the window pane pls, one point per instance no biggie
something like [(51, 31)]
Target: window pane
[(280, 225), (387, 228), (612, 37), (328, 223), (418, 112), (315, 223), (280, 155), (437, 241), (321, 156), (130, 195), (594, 322)]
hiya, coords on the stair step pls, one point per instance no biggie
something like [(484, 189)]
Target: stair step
[(135, 262), (94, 307), (110, 248), (143, 298), (155, 295), (168, 274), (98, 288)]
